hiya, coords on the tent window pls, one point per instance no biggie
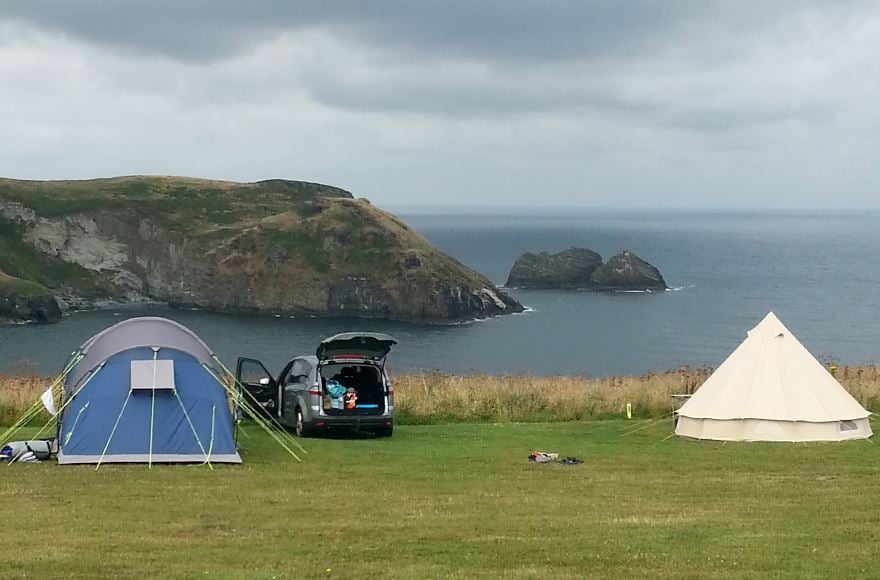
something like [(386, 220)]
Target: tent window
[(152, 374), (848, 426)]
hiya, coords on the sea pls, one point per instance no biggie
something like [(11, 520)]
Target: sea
[(818, 271)]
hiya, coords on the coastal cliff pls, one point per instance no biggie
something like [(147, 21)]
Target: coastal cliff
[(25, 301), (277, 246)]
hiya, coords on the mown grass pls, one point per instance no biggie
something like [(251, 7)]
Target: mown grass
[(436, 398), (460, 501)]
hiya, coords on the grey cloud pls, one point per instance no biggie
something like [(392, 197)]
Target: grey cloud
[(511, 57), (722, 120), (496, 29), (522, 30), (456, 102)]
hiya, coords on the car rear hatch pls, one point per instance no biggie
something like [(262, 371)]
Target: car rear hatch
[(351, 368), (373, 346)]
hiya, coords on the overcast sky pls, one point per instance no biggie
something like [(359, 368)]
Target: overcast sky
[(456, 102)]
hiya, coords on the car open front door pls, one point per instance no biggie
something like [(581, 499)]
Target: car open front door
[(252, 376)]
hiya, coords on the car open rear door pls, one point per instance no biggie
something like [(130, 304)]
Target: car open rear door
[(372, 346), (259, 383)]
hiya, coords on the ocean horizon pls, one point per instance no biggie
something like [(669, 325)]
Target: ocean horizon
[(816, 269)]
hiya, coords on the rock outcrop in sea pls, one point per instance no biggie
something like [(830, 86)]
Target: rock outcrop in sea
[(571, 268), (580, 268), (626, 271), (277, 246)]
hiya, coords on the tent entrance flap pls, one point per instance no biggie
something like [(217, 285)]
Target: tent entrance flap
[(152, 375)]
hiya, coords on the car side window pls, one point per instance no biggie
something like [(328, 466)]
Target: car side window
[(300, 371)]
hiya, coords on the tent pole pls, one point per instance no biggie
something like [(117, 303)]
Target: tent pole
[(255, 414), (191, 426), (113, 431), (289, 438), (152, 409), (258, 420), (75, 358), (75, 422), (71, 398), (657, 422), (34, 410), (211, 442)]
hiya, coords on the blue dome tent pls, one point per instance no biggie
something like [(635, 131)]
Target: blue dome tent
[(146, 390)]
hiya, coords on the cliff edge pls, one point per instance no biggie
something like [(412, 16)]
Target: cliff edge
[(276, 246)]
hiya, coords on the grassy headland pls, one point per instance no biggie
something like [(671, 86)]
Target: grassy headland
[(273, 246), (10, 285)]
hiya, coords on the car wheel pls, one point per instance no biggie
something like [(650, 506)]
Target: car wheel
[(384, 431), (300, 426)]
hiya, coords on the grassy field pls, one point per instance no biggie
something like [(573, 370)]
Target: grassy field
[(458, 501)]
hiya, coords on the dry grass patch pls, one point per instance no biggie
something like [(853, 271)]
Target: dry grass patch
[(437, 397), (434, 397), (18, 393)]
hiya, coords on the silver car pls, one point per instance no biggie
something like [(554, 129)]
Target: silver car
[(344, 386)]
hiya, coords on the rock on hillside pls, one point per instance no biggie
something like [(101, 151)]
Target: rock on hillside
[(570, 268), (583, 268), (626, 271), (23, 301), (277, 246)]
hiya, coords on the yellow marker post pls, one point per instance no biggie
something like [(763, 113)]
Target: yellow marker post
[(629, 411)]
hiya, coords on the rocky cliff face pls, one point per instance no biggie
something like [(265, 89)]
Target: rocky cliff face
[(583, 268), (275, 247), (22, 301)]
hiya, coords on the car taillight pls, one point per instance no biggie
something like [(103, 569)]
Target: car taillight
[(390, 389), (315, 390)]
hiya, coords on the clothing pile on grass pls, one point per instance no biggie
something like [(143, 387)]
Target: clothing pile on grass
[(545, 457)]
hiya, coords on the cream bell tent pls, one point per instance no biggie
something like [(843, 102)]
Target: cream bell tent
[(772, 389)]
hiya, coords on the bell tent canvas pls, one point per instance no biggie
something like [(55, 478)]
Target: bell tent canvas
[(772, 389), (146, 390)]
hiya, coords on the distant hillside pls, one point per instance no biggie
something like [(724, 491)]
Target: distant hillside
[(274, 246)]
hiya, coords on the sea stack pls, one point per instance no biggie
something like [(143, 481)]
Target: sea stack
[(571, 268), (581, 268), (626, 271)]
